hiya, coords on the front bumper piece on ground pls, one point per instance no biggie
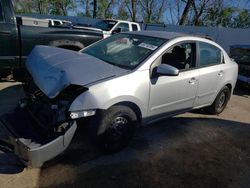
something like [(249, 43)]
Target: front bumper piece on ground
[(32, 153), (35, 155)]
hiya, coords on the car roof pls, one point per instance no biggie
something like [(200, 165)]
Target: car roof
[(165, 34)]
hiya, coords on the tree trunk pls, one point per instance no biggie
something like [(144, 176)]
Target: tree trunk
[(39, 7), (87, 8), (133, 3), (185, 12), (107, 9), (94, 8)]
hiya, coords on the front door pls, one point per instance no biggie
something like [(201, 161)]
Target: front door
[(169, 94)]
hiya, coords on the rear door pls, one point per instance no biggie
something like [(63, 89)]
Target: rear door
[(9, 46), (211, 69), (170, 94)]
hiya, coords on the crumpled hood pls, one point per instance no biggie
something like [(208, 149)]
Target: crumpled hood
[(53, 69)]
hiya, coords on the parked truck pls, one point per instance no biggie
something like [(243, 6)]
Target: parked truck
[(19, 35), (110, 26), (17, 39)]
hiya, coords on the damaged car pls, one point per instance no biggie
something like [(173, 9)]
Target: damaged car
[(119, 82)]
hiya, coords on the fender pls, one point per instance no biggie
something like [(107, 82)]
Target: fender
[(88, 101)]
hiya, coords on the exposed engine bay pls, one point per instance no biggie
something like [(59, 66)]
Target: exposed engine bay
[(41, 128), (51, 115)]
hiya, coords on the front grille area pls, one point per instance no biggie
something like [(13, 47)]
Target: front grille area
[(49, 113)]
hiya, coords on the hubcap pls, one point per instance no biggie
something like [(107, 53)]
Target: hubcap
[(117, 128), (222, 100)]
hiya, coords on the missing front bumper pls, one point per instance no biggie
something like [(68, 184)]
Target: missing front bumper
[(35, 155), (17, 134)]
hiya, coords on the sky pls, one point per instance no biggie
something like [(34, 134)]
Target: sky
[(166, 15)]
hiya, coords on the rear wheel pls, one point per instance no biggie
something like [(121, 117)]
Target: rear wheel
[(220, 102), (113, 129)]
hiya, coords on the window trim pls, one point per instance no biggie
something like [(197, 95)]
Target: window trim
[(208, 65), (159, 59)]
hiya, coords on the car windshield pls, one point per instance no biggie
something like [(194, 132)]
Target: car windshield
[(105, 25), (124, 50)]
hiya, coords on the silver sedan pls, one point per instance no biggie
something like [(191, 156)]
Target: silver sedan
[(122, 81)]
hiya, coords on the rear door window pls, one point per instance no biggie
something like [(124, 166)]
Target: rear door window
[(134, 27), (209, 54)]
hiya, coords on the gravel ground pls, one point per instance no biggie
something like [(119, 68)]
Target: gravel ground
[(189, 150)]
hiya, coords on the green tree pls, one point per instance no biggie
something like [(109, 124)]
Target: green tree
[(105, 8), (131, 6), (24, 6), (94, 8), (122, 12), (222, 17), (42, 6), (184, 16), (61, 7), (85, 4), (152, 10), (242, 20)]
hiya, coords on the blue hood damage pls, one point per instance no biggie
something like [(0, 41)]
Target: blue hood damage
[(53, 69)]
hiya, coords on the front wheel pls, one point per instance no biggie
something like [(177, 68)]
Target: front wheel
[(220, 102), (113, 129)]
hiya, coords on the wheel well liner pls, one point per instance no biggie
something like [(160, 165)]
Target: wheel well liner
[(229, 86), (230, 89), (133, 106)]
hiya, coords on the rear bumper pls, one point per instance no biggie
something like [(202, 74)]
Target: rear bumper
[(35, 155)]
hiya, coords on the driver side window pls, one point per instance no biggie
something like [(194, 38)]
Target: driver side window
[(182, 56)]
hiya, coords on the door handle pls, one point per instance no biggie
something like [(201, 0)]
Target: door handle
[(192, 80), (220, 73)]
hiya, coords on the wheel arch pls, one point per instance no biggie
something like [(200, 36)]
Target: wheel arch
[(229, 85), (133, 106)]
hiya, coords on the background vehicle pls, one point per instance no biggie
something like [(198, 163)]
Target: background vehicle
[(54, 23), (109, 27), (241, 54), (118, 82), (17, 40)]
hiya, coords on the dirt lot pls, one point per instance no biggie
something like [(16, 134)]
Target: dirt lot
[(190, 150)]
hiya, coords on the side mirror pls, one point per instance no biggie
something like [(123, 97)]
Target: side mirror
[(117, 30), (166, 70)]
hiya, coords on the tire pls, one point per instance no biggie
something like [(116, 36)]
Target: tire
[(113, 129), (220, 101)]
